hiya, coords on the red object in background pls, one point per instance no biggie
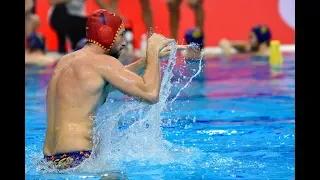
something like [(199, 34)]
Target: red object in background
[(223, 19), (128, 24)]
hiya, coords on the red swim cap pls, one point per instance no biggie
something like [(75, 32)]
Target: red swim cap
[(102, 28)]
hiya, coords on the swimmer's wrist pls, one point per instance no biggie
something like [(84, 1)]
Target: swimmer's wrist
[(151, 46), (154, 50)]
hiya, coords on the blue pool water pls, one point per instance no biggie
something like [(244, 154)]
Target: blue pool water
[(231, 122)]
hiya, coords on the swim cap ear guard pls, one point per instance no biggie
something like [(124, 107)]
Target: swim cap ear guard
[(104, 35), (102, 28)]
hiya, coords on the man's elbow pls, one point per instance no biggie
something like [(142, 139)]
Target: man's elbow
[(153, 98)]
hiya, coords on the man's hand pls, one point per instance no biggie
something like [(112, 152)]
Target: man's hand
[(158, 41), (165, 52)]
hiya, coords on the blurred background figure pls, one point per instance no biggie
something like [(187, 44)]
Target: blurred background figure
[(174, 14), (194, 37), (36, 51), (257, 45), (32, 21), (128, 35), (145, 8), (80, 44), (147, 19), (68, 19)]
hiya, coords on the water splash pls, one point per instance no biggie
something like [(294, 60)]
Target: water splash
[(141, 139), (132, 133), (196, 74)]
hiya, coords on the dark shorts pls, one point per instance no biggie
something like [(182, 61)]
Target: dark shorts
[(68, 160)]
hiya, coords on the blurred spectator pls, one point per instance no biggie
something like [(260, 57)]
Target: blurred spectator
[(33, 9), (145, 8), (257, 44), (36, 51), (32, 21), (174, 13), (81, 44), (68, 19), (194, 37), (147, 19)]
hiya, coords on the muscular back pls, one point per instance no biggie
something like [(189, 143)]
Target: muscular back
[(73, 95)]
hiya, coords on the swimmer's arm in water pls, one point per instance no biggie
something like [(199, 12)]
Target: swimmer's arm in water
[(227, 46), (241, 46), (54, 2)]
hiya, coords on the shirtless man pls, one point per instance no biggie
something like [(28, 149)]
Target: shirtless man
[(82, 80)]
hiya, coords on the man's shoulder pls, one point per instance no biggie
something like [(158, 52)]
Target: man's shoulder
[(101, 61)]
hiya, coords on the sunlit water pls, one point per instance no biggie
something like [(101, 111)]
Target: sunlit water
[(231, 121)]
